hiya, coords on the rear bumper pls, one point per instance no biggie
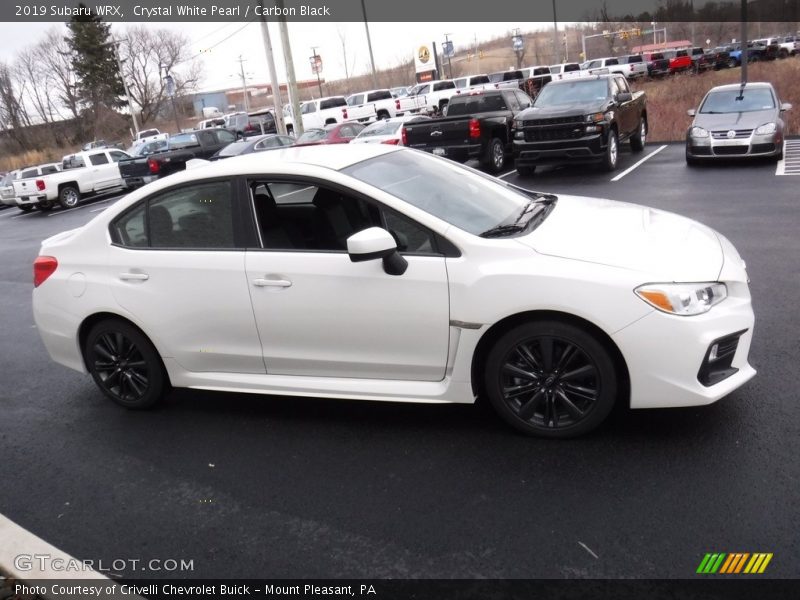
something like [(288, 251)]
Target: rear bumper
[(460, 153), (31, 200), (586, 149), (135, 182)]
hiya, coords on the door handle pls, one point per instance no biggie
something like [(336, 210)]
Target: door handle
[(134, 276), (272, 283)]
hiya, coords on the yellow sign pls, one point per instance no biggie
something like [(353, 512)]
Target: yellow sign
[(424, 54)]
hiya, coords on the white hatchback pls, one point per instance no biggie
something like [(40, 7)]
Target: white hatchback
[(381, 273)]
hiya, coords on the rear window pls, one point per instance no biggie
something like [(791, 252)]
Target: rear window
[(540, 71), (379, 95), (612, 61), (467, 105), (48, 169), (479, 80), (635, 58), (29, 173), (312, 135), (572, 67), (443, 85), (332, 103)]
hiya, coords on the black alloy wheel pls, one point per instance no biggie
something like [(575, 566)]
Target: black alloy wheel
[(551, 379), (124, 364)]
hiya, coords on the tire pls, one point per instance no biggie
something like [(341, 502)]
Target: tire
[(691, 160), (638, 140), (289, 130), (783, 54), (732, 64), (383, 115), (69, 196), (45, 206), (611, 157), (525, 170), (562, 392), (25, 207), (125, 365), (495, 158)]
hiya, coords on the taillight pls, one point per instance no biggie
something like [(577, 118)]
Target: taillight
[(393, 141), (474, 128), (43, 267), (631, 66), (344, 114), (154, 166), (397, 104), (404, 135), (40, 185)]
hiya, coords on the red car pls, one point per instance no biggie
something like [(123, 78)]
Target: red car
[(679, 61), (335, 133)]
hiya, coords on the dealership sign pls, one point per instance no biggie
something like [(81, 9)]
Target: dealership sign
[(425, 61)]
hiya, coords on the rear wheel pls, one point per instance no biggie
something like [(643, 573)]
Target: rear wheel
[(638, 139), (124, 364), (611, 157), (732, 64), (551, 379), (45, 206), (25, 207), (495, 156), (69, 196)]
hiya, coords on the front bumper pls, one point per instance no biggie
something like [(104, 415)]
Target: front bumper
[(589, 148), (665, 354), (755, 145)]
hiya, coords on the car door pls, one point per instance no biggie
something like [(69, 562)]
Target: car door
[(176, 265), (105, 172), (628, 118), (320, 314)]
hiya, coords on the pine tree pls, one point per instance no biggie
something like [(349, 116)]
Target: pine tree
[(94, 64)]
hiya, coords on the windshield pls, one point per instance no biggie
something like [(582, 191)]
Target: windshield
[(235, 148), (381, 128), (456, 194), (312, 135), (730, 101), (573, 92)]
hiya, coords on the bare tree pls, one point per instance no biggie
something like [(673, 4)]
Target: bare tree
[(13, 116), (348, 67), (147, 55), (39, 85), (54, 54)]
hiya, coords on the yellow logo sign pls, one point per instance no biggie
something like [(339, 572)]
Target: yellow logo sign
[(424, 54)]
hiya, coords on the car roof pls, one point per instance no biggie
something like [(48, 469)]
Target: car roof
[(737, 86)]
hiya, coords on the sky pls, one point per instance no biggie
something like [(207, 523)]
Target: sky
[(392, 43)]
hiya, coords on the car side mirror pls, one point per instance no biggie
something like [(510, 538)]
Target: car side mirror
[(691, 112), (374, 243), (786, 106), (624, 97)]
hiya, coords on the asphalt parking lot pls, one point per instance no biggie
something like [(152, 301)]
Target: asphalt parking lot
[(250, 486)]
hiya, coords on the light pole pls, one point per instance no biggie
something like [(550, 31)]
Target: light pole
[(316, 68), (369, 45), (277, 102), (449, 53), (170, 83), (555, 34), (114, 43)]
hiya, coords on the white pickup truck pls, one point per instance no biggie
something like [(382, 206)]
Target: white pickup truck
[(432, 96), (370, 105), (83, 174), (474, 83)]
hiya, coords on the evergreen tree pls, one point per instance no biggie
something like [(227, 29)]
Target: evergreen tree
[(95, 65)]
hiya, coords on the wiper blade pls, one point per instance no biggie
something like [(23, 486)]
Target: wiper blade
[(503, 230), (544, 197)]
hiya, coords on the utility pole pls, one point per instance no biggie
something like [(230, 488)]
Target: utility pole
[(115, 43), (291, 82), (277, 102), (447, 49), (170, 83), (555, 35), (369, 45), (244, 83), (743, 35), (316, 69)]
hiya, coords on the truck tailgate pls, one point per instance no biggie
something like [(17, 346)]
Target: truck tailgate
[(135, 167), (439, 132)]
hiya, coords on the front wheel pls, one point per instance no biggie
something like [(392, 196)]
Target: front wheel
[(611, 156), (640, 137), (69, 197), (124, 364), (551, 379), (495, 155)]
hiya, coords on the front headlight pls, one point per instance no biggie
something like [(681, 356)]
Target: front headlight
[(766, 129), (684, 299), (699, 132), (595, 117), (518, 123)]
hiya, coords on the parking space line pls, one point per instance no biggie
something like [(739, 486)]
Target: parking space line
[(24, 214), (632, 167), (790, 163), (506, 174)]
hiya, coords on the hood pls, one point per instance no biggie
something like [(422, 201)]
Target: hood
[(665, 246), (737, 120), (564, 110)]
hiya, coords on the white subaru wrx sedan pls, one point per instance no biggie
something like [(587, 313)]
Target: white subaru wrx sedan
[(380, 273)]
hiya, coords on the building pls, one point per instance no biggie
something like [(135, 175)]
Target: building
[(258, 96)]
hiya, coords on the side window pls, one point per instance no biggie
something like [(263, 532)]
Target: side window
[(129, 230), (424, 89), (511, 100), (225, 136), (308, 107), (98, 159), (461, 83), (622, 84), (356, 100), (379, 95), (306, 218), (195, 216), (206, 138), (410, 237), (524, 99), (117, 156)]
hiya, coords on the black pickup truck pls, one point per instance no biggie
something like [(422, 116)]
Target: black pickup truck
[(477, 125), (137, 171), (580, 120)]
